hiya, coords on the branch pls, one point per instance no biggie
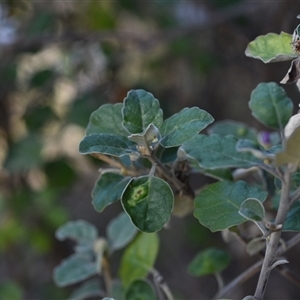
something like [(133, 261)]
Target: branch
[(254, 269), (273, 241)]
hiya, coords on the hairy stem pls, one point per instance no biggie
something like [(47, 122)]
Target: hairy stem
[(274, 238)]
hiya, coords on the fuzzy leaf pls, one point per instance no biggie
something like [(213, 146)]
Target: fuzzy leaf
[(74, 269), (139, 257), (217, 205), (215, 152), (270, 105), (140, 110), (80, 231), (238, 129), (88, 289), (292, 221), (209, 261), (252, 209), (183, 126), (108, 189), (107, 119), (120, 231), (148, 201), (271, 47), (105, 143)]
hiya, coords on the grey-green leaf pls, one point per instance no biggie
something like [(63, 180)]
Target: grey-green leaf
[(105, 143), (209, 261), (140, 110), (88, 289), (252, 209), (217, 205), (183, 126), (140, 289), (292, 221), (270, 105), (148, 201), (74, 269), (215, 151), (107, 119), (238, 129), (80, 231), (120, 231), (108, 189)]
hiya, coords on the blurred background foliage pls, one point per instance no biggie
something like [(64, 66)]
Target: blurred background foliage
[(60, 60)]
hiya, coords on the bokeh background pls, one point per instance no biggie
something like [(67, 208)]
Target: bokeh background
[(59, 61)]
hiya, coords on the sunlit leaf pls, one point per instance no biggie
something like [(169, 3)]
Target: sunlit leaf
[(148, 201), (120, 231), (108, 189), (140, 289), (139, 258), (215, 152), (217, 205), (184, 125), (271, 47), (105, 143), (290, 153), (107, 119), (209, 261), (270, 105), (252, 209), (74, 269), (140, 110)]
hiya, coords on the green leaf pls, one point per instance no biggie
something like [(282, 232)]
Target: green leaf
[(292, 221), (209, 261), (217, 205), (290, 153), (88, 289), (148, 201), (10, 291), (252, 209), (215, 152), (140, 110), (238, 129), (105, 143), (120, 231), (140, 290), (108, 189), (107, 119), (80, 231), (270, 105), (139, 257), (74, 269), (183, 126), (271, 47)]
